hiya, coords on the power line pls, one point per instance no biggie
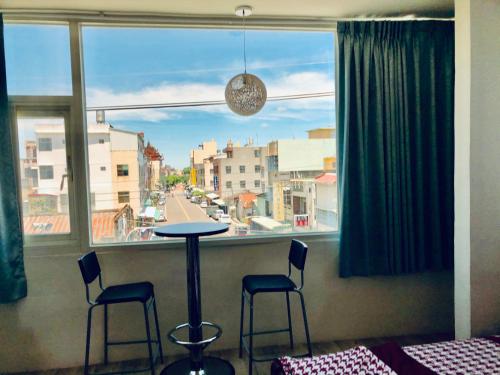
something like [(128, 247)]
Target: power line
[(204, 103)]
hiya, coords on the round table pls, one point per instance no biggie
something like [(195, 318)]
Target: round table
[(196, 364)]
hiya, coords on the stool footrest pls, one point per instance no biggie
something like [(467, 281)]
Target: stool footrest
[(267, 332), (133, 342), (204, 343)]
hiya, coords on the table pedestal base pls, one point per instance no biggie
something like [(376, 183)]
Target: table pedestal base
[(211, 366)]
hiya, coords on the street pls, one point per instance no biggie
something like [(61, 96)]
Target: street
[(178, 209)]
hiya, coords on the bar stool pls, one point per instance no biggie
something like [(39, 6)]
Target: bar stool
[(142, 292), (253, 284)]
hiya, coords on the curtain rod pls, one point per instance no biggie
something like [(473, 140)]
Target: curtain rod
[(190, 19)]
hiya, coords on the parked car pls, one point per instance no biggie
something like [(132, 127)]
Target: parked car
[(162, 218), (225, 219), (203, 204), (194, 199), (218, 213)]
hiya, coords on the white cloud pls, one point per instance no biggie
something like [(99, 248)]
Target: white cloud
[(172, 92)]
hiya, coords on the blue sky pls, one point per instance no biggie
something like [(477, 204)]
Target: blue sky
[(157, 65)]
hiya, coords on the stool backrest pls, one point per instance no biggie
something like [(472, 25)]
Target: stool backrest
[(298, 254), (89, 267), (297, 257)]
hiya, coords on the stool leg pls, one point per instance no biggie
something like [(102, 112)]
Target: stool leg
[(241, 320), (87, 342), (105, 334), (250, 335), (289, 319), (146, 318), (158, 335), (306, 326)]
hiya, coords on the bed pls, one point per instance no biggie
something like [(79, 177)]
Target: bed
[(479, 356)]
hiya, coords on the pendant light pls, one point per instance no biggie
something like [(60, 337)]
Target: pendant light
[(245, 93)]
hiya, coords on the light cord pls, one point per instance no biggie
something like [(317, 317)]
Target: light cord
[(244, 43)]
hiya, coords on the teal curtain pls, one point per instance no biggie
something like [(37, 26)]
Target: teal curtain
[(12, 277), (395, 93)]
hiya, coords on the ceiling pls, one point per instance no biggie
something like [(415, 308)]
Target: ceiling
[(262, 8)]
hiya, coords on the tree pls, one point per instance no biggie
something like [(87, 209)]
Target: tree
[(173, 180)]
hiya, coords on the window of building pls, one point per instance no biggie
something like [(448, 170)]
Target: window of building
[(257, 169), (256, 153), (242, 169), (123, 197), (45, 144), (243, 184), (46, 172), (256, 183), (101, 141), (229, 184), (103, 169), (228, 169), (122, 170)]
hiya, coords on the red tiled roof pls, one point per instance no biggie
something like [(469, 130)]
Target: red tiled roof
[(103, 224), (326, 178), (247, 199)]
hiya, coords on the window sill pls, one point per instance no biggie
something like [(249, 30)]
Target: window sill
[(73, 248), (213, 242)]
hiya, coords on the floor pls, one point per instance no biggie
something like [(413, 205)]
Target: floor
[(241, 365)]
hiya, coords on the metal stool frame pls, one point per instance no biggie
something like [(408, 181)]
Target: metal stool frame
[(146, 307), (249, 298)]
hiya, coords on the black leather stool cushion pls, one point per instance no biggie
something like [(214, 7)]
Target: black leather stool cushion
[(267, 283), (140, 292)]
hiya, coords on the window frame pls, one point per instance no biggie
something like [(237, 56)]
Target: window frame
[(47, 106), (40, 145), (80, 200), (123, 194), (124, 171), (46, 170)]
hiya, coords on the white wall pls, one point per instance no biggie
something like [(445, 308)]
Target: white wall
[(47, 329), (304, 154), (477, 172), (100, 156)]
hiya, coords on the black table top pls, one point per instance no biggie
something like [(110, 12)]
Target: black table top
[(191, 229)]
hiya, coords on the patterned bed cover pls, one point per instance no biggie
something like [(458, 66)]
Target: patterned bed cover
[(479, 356)]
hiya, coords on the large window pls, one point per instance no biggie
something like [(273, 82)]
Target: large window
[(172, 152), (158, 130)]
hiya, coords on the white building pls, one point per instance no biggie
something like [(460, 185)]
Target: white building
[(243, 169), (117, 166)]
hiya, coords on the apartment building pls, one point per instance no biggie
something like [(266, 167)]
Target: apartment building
[(200, 170), (155, 170), (243, 169), (293, 165), (117, 168)]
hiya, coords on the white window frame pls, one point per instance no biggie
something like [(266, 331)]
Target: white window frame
[(80, 202), (47, 106)]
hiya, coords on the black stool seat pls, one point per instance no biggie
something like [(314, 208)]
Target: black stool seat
[(139, 292), (267, 283)]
